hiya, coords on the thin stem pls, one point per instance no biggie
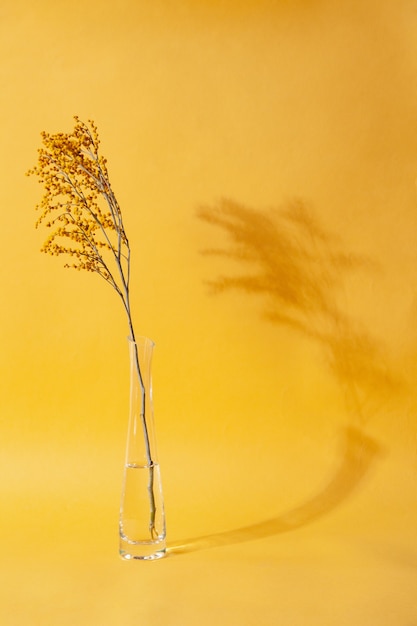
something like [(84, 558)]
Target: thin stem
[(150, 463)]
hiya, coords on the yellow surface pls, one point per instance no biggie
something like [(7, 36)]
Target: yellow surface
[(286, 411)]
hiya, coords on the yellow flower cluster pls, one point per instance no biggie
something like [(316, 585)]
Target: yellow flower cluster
[(79, 204)]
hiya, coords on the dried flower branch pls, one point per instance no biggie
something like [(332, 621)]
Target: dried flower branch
[(81, 209)]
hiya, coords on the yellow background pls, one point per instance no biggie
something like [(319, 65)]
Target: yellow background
[(289, 474)]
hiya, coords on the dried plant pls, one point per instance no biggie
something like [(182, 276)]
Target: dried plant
[(81, 209), (86, 223)]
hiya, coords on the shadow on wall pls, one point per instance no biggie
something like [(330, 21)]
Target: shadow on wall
[(358, 454), (299, 269)]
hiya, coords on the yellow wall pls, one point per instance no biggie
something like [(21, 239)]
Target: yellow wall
[(266, 104)]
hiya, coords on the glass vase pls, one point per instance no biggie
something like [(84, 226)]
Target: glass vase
[(142, 518)]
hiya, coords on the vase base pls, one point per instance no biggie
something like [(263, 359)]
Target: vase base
[(142, 550), (128, 556)]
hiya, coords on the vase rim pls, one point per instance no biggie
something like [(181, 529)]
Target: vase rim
[(141, 339)]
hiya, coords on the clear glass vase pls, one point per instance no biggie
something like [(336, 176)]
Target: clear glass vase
[(142, 518)]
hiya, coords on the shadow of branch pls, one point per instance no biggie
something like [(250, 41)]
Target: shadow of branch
[(300, 269), (359, 453)]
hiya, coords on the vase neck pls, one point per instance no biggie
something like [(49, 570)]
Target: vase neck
[(141, 447)]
